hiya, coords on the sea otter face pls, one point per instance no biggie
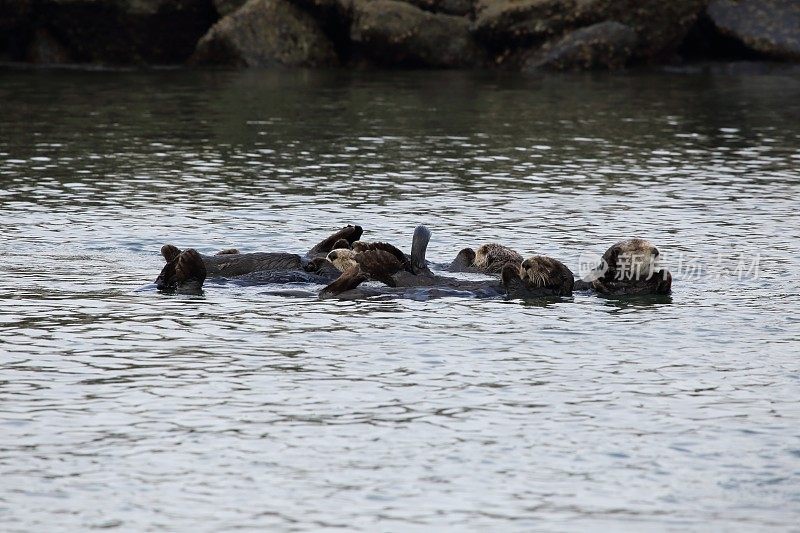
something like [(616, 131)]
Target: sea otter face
[(536, 271), (536, 277), (491, 257), (342, 259), (632, 259)]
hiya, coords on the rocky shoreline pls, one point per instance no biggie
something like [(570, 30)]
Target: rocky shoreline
[(500, 34)]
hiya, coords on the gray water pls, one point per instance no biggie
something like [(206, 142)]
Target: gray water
[(124, 408)]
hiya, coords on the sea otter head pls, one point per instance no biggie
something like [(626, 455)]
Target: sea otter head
[(538, 276), (342, 259), (465, 258), (540, 271), (170, 252), (631, 259), (492, 257)]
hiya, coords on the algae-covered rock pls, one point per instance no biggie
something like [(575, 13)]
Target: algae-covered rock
[(771, 27), (607, 45), (265, 33), (510, 23), (389, 32), (661, 25)]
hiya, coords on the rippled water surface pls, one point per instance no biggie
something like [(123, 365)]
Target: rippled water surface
[(121, 407)]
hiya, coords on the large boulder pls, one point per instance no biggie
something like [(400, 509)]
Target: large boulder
[(265, 33), (660, 24), (771, 27), (510, 23), (126, 31), (606, 45), (389, 32)]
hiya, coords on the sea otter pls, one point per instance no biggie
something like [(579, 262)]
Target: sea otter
[(538, 276), (489, 258), (184, 272), (628, 268), (183, 268)]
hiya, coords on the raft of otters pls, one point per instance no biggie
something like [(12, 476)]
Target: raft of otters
[(342, 262)]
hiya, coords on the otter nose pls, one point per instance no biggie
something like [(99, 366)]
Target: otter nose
[(332, 256)]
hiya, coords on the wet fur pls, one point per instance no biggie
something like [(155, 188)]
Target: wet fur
[(349, 234), (349, 279), (377, 265), (464, 262), (659, 283), (493, 257), (185, 273), (343, 259), (538, 276), (404, 260)]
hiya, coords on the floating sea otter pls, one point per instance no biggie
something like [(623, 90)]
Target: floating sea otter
[(186, 270), (629, 268), (488, 258)]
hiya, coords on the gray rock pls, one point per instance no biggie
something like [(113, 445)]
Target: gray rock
[(660, 24), (389, 32), (510, 23), (265, 33), (771, 27), (607, 45)]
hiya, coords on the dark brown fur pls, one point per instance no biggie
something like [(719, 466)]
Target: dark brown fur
[(385, 246), (615, 280), (538, 276), (349, 233), (659, 283), (184, 273), (348, 280), (374, 264), (170, 252)]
